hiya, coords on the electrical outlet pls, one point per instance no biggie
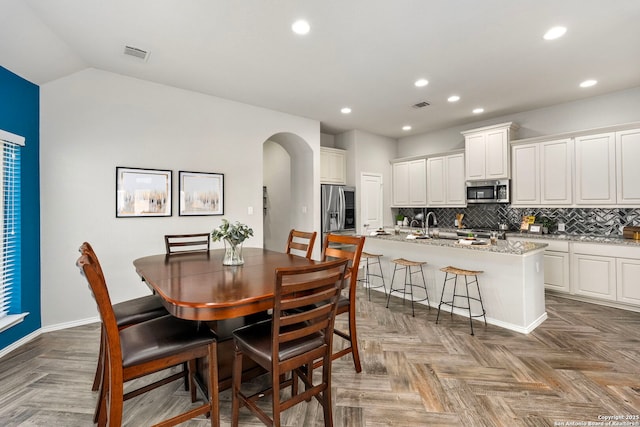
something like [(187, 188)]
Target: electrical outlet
[(561, 226)]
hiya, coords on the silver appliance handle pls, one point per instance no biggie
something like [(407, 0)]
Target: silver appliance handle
[(325, 210), (342, 204)]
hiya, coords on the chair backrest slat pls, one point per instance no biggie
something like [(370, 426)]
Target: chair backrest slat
[(186, 243), (305, 302), (301, 241), (90, 268), (340, 246)]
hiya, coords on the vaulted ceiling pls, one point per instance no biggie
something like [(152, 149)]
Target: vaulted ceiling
[(364, 54)]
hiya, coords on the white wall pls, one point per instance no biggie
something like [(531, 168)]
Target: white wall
[(610, 109), (93, 121), (369, 153)]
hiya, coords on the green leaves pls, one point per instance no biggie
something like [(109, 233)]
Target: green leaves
[(235, 233)]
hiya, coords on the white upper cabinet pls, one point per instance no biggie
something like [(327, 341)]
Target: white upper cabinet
[(542, 173), (628, 167), (333, 166), (487, 152), (525, 186), (595, 157), (556, 172), (445, 181), (436, 181), (410, 183)]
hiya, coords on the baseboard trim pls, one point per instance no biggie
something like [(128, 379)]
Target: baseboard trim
[(22, 341)]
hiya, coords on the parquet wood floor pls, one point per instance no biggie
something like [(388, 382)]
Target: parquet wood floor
[(580, 365)]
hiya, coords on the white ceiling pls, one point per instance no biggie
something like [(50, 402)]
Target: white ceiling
[(364, 54)]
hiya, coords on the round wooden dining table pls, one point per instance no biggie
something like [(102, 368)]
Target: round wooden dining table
[(197, 286)]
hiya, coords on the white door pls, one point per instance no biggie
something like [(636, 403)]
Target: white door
[(371, 201)]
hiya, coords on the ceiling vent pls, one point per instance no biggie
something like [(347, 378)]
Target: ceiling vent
[(421, 104), (137, 52)]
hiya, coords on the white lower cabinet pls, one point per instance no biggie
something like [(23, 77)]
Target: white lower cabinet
[(556, 264), (628, 280), (606, 272), (556, 271), (594, 276)]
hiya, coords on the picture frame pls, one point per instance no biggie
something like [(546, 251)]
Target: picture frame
[(535, 228), (143, 192), (201, 193)]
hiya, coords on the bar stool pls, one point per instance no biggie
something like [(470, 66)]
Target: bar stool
[(372, 259), (405, 264), (455, 272)]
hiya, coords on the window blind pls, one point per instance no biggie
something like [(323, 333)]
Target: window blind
[(10, 260)]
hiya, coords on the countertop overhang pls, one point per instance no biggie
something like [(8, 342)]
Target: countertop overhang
[(502, 246)]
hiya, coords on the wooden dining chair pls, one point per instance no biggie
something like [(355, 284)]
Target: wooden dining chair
[(127, 313), (147, 348), (301, 241), (347, 247), (299, 332), (186, 243)]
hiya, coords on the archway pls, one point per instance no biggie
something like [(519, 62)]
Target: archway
[(288, 184)]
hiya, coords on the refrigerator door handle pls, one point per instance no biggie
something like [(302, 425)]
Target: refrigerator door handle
[(341, 208)]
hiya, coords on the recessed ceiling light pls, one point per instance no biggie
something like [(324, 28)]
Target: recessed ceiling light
[(478, 110), (300, 27), (421, 82), (453, 98), (555, 33), (407, 127), (345, 110), (588, 83)]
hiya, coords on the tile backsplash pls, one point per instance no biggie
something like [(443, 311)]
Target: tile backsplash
[(585, 221)]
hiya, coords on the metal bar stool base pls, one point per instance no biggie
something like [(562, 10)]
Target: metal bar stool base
[(405, 264), (368, 274), (455, 272)]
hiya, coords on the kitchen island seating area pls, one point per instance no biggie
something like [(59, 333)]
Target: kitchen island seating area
[(147, 348), (452, 273), (405, 265), (371, 260)]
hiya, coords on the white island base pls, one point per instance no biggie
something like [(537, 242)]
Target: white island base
[(512, 282)]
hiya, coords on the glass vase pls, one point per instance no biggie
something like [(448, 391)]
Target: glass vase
[(232, 253)]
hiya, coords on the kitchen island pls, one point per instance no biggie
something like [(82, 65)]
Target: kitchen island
[(512, 284)]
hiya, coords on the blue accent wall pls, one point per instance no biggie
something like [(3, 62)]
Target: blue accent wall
[(20, 114)]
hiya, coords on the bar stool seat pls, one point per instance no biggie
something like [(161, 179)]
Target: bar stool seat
[(454, 272), (402, 263), (372, 259)]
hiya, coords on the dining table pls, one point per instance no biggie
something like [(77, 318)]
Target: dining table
[(197, 286)]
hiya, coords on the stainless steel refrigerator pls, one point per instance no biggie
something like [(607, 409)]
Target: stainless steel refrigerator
[(338, 209)]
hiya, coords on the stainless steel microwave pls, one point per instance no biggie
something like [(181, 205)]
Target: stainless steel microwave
[(496, 191)]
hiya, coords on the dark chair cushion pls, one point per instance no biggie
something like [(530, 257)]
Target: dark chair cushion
[(138, 310), (160, 338), (255, 342)]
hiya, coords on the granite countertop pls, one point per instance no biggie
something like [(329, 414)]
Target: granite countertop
[(610, 240), (501, 246)]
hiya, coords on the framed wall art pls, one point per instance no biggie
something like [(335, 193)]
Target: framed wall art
[(143, 192), (201, 193), (535, 228)]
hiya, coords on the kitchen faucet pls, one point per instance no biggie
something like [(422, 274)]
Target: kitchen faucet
[(426, 223)]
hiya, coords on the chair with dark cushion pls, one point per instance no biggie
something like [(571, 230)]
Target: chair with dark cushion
[(147, 348), (346, 247), (127, 313), (299, 332), (301, 241), (186, 243)]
